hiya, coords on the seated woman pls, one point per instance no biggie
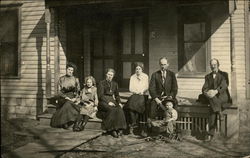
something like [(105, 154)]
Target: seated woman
[(110, 107), (88, 99), (68, 92), (138, 85)]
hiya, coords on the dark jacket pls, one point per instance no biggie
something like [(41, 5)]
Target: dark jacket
[(158, 89), (106, 91), (220, 83)]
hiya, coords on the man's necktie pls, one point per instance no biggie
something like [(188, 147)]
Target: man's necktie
[(163, 76)]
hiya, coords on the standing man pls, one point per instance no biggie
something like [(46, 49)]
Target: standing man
[(163, 83), (215, 89)]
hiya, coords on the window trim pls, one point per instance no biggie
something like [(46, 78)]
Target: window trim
[(181, 42), (19, 15)]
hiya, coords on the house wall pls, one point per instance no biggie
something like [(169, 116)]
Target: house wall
[(163, 42), (25, 97)]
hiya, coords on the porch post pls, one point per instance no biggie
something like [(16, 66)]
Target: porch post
[(232, 7), (48, 70)]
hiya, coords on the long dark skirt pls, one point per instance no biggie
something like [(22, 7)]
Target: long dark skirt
[(69, 112), (136, 103), (113, 117)]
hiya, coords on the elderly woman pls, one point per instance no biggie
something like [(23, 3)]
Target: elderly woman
[(88, 99), (138, 85), (68, 112), (110, 107)]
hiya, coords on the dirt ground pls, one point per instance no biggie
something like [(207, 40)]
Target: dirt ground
[(133, 147), (14, 133)]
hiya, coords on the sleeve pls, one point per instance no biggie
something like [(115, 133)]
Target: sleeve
[(100, 93), (152, 87), (174, 86), (131, 84), (175, 115), (205, 87), (223, 86), (95, 97), (116, 92), (78, 88), (145, 84), (59, 85)]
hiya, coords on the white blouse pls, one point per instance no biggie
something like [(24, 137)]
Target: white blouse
[(138, 84)]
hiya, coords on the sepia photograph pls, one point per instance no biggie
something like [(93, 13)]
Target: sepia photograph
[(125, 78)]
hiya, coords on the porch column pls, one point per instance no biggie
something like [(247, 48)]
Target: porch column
[(48, 70), (232, 7)]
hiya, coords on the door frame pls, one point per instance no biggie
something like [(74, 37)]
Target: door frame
[(127, 57)]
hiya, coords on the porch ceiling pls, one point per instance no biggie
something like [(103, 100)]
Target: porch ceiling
[(231, 4)]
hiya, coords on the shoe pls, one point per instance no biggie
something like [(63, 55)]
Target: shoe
[(65, 126), (120, 133), (79, 126), (131, 131), (144, 134), (114, 134), (209, 138)]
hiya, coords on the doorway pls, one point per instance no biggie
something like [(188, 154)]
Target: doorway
[(117, 39)]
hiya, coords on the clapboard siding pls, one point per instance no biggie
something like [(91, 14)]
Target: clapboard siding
[(239, 26), (31, 87)]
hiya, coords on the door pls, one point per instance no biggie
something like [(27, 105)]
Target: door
[(103, 44), (74, 52), (134, 45)]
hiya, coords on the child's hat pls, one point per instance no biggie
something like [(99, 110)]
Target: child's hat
[(168, 99)]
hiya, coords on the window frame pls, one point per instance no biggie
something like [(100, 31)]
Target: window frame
[(181, 22), (17, 7)]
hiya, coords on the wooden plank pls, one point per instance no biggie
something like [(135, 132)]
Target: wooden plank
[(36, 31), (191, 114), (11, 95), (22, 85), (19, 88), (34, 12), (35, 58), (33, 9), (32, 26)]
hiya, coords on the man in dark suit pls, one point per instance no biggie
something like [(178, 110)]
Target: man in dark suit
[(215, 90), (163, 83)]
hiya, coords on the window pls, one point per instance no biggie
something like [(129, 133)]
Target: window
[(9, 42), (193, 41)]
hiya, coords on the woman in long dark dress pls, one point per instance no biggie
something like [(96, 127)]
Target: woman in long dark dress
[(110, 107), (68, 112)]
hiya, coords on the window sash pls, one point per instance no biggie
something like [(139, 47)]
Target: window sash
[(190, 64), (10, 68)]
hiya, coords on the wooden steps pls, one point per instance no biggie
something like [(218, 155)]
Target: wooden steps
[(93, 124)]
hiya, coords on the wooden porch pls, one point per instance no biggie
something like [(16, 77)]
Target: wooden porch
[(192, 115)]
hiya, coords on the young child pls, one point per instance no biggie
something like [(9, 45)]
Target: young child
[(171, 116)]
